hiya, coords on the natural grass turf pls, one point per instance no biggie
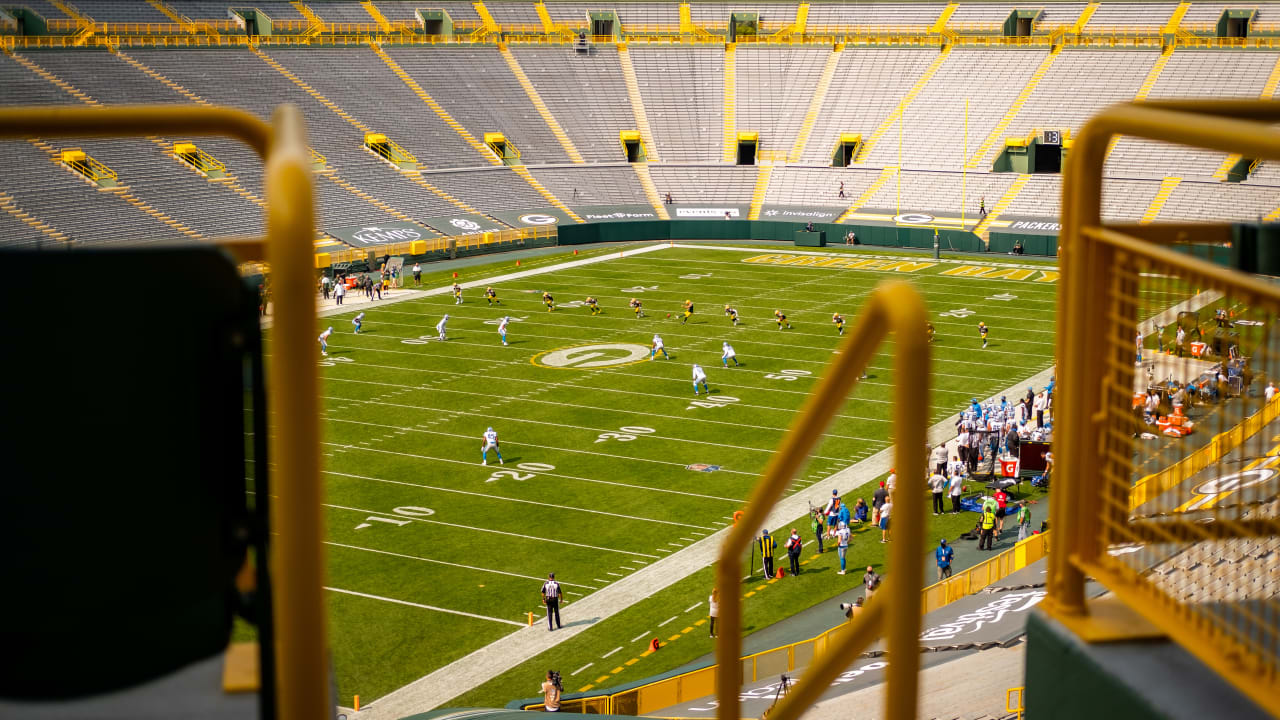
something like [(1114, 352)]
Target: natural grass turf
[(402, 423), (772, 601)]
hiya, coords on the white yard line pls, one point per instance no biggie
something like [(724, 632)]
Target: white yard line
[(429, 409), (494, 532), (424, 607), (507, 443), (641, 635), (584, 667), (485, 663), (548, 474), (693, 606), (668, 620), (490, 496), (610, 652), (450, 564)]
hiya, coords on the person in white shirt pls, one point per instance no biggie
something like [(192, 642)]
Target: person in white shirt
[(940, 458), (937, 486), (656, 347), (842, 544), (885, 510), (1040, 404), (956, 488), (440, 326), (324, 342), (890, 481), (1270, 391), (713, 609), (699, 377), (358, 321), (502, 328), (728, 355), (417, 274), (490, 443), (339, 292)]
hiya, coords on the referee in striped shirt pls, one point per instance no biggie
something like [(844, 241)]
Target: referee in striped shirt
[(551, 598)]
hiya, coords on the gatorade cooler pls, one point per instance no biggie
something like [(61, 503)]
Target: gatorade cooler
[(1008, 467)]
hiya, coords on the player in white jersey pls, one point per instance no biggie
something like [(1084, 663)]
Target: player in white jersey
[(502, 328), (658, 346), (440, 326), (358, 321), (699, 377), (324, 342), (490, 443), (728, 355)]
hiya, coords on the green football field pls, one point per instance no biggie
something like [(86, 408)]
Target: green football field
[(611, 461)]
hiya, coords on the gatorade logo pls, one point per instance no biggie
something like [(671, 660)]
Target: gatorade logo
[(590, 357)]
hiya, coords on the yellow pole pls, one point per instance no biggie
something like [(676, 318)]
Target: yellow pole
[(302, 657), (899, 200), (964, 167)]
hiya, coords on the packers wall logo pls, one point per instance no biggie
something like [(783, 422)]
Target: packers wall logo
[(591, 357)]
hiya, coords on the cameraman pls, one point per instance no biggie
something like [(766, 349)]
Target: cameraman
[(851, 609), (551, 689)]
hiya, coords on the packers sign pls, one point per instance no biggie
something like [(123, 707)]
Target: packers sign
[(986, 272)]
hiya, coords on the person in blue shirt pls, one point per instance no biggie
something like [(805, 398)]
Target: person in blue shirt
[(944, 553), (843, 516), (860, 510)]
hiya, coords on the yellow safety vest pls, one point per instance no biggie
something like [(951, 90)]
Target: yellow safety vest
[(988, 520)]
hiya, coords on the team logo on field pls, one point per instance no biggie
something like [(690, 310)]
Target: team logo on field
[(538, 219), (590, 357), (913, 219), (465, 224), (702, 467)]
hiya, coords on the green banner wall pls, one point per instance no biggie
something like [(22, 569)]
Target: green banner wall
[(869, 235)]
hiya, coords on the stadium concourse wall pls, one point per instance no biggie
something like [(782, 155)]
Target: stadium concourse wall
[(683, 685), (872, 235)]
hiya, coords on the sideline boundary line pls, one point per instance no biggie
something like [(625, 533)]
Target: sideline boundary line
[(486, 663), (424, 607)]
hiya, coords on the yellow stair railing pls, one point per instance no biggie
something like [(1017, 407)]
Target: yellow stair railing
[(1001, 206), (730, 132), (174, 15), (300, 631), (651, 190), (895, 308), (637, 103), (1167, 186), (546, 194), (1148, 84), (1268, 92), (979, 155), (1113, 277), (885, 175), (763, 174), (898, 111), (377, 16), (941, 23), (816, 101), (1171, 27), (544, 112)]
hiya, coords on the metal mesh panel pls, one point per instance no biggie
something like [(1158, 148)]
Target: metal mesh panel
[(1190, 454)]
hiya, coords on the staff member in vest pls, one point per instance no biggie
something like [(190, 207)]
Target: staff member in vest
[(988, 527), (767, 546), (551, 598)]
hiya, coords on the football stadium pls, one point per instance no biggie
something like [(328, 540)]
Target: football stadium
[(442, 360)]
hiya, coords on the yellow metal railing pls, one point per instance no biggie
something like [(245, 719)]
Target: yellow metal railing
[(686, 687), (1113, 279), (893, 307), (301, 648)]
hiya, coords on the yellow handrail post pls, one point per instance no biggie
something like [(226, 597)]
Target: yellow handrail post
[(897, 307), (299, 616), (297, 562)]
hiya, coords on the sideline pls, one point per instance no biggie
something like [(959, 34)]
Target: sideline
[(354, 301), (488, 662)]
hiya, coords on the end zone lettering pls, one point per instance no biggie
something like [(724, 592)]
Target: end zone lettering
[(842, 263)]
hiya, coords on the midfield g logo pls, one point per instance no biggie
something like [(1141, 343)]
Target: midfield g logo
[(591, 357)]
